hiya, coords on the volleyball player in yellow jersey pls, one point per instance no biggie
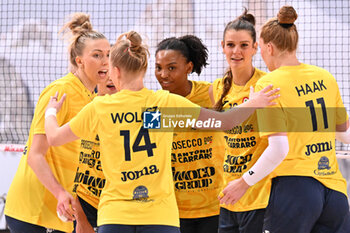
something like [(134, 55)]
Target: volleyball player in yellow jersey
[(89, 179), (196, 156), (308, 192), (243, 145), (45, 174), (139, 191)]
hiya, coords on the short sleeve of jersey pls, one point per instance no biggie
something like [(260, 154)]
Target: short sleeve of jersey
[(271, 119), (216, 90), (39, 115), (85, 122)]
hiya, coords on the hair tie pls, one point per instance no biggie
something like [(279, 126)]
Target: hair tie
[(286, 25), (126, 49)]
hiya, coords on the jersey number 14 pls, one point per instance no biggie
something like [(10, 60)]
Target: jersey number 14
[(148, 146)]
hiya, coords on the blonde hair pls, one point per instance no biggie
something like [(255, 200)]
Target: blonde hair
[(281, 31), (79, 29), (130, 53)]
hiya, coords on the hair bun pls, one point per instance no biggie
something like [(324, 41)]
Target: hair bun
[(247, 17), (135, 40), (79, 23), (287, 15), (129, 52)]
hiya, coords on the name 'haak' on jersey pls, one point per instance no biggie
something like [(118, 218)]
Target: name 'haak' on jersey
[(310, 88)]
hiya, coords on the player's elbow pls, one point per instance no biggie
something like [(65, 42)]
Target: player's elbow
[(343, 137), (50, 139), (32, 159), (284, 151), (55, 142), (283, 147), (280, 148), (343, 133), (53, 139)]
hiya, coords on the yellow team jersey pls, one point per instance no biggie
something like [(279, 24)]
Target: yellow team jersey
[(89, 179), (309, 108), (243, 146), (136, 160), (28, 200), (197, 158)]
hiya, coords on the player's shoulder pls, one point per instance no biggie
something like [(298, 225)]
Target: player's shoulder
[(61, 85), (278, 75), (160, 94), (259, 73), (325, 73), (159, 97), (174, 99), (218, 82), (199, 87), (266, 78), (321, 74), (313, 67), (164, 98), (200, 84), (101, 99)]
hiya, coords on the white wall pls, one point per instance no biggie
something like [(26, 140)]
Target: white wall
[(8, 167)]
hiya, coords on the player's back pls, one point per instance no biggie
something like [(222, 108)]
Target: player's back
[(309, 108), (136, 160)]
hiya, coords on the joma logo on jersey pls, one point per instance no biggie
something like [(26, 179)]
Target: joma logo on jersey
[(318, 147), (151, 120)]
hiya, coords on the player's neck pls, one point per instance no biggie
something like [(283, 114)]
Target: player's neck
[(131, 83), (240, 76), (85, 80), (185, 90), (286, 59)]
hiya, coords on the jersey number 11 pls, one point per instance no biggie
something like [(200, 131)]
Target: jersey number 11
[(311, 105)]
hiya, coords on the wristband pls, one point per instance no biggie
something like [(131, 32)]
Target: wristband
[(62, 217), (50, 112)]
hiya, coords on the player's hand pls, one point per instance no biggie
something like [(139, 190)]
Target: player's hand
[(264, 97), (83, 225), (65, 201), (54, 103), (233, 192)]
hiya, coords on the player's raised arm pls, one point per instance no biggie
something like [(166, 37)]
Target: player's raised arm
[(44, 168), (55, 134), (237, 115)]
